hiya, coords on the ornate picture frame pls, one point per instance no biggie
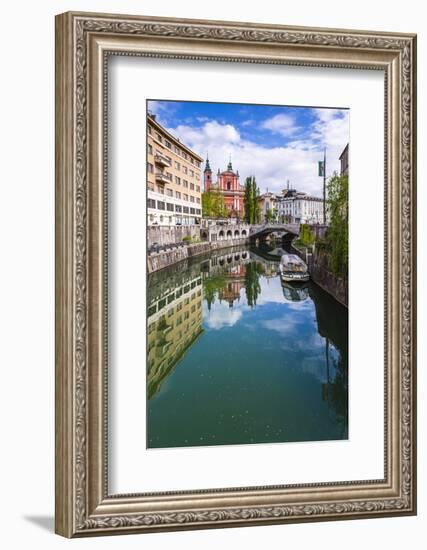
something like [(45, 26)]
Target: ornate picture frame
[(84, 42)]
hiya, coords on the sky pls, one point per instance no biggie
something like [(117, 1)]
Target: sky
[(273, 143)]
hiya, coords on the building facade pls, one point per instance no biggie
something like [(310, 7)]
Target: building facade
[(267, 203), (344, 161), (297, 207), (228, 185), (173, 179)]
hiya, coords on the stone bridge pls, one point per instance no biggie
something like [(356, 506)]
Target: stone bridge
[(262, 230), (225, 232)]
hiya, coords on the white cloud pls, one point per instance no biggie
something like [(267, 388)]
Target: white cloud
[(222, 315), (273, 166), (281, 124)]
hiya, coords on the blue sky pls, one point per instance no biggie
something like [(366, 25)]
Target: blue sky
[(274, 143)]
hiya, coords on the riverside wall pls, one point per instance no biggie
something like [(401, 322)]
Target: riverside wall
[(319, 266), (164, 234), (166, 258)]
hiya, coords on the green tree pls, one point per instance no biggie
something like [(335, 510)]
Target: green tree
[(213, 205), (306, 236), (251, 201), (211, 287), (337, 234), (269, 215), (252, 286)]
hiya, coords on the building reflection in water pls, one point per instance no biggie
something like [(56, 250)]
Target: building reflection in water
[(175, 317), (174, 324)]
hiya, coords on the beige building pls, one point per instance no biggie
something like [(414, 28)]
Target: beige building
[(173, 179), (267, 202), (174, 323)]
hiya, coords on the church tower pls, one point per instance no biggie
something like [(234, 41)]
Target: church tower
[(207, 175)]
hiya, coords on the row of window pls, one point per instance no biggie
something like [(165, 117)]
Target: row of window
[(178, 194), (161, 205), (178, 165), (177, 180), (177, 150)]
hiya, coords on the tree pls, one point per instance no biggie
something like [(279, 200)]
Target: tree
[(337, 235), (251, 201), (252, 285), (269, 215), (213, 205)]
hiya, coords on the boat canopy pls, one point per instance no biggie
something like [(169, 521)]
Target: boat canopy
[(291, 262)]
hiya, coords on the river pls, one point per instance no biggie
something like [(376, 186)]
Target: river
[(235, 357)]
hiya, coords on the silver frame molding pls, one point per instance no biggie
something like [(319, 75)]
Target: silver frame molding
[(83, 43)]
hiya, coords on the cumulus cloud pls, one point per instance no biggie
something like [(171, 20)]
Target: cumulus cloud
[(295, 161), (282, 124), (221, 315)]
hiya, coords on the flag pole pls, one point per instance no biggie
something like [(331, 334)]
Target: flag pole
[(324, 186)]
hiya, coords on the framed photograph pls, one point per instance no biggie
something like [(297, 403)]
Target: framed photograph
[(235, 274)]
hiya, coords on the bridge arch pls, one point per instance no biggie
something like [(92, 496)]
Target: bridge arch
[(229, 234)]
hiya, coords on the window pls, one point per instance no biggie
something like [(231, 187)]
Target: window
[(168, 144), (192, 186), (150, 167), (169, 176), (228, 186), (177, 180), (184, 155), (185, 183), (185, 197), (150, 149), (192, 173), (159, 137), (149, 130), (169, 192), (177, 151), (169, 160), (178, 208), (160, 205), (177, 165), (185, 209), (191, 198), (150, 186), (151, 203), (198, 200), (192, 211), (198, 188), (185, 169), (177, 194), (198, 211), (169, 207), (160, 190)]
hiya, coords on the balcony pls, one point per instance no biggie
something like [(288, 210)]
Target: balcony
[(161, 160), (162, 178)]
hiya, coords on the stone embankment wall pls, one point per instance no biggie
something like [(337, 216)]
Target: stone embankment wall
[(165, 258), (319, 266), (164, 234)]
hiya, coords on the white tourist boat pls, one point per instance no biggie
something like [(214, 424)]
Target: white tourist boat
[(293, 269)]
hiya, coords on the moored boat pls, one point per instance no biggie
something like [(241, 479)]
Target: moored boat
[(293, 269)]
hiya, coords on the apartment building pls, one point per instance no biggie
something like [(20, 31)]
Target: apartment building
[(174, 194)]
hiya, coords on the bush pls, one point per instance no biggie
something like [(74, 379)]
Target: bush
[(306, 236), (187, 238)]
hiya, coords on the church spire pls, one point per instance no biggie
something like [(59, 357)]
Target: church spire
[(207, 167), (230, 166)]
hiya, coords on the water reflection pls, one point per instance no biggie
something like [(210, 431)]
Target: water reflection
[(235, 357)]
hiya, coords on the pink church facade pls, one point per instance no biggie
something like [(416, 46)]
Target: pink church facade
[(228, 184)]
